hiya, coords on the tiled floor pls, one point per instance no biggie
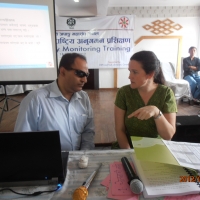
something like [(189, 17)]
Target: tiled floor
[(103, 106)]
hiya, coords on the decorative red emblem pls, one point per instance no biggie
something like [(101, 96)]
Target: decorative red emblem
[(124, 22)]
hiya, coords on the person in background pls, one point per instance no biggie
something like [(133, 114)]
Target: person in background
[(146, 107), (62, 105), (191, 66)]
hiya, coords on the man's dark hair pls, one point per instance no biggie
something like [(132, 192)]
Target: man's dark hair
[(191, 49), (68, 59)]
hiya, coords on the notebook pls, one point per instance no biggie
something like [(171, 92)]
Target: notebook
[(163, 166), (183, 154), (31, 158), (161, 179)]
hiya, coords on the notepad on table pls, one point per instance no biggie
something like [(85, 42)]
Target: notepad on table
[(161, 179)]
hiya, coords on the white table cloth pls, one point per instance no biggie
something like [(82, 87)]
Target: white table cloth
[(76, 176)]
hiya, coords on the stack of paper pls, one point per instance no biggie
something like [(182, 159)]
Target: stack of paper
[(159, 165), (183, 154), (117, 183)]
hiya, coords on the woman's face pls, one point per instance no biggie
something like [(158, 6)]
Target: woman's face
[(137, 75)]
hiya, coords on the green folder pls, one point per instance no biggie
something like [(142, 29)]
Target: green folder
[(153, 150)]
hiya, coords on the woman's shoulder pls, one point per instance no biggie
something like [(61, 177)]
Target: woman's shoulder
[(164, 87), (164, 90), (125, 88)]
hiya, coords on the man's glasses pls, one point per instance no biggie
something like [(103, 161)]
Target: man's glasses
[(80, 73)]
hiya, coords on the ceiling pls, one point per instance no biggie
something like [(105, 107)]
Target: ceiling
[(100, 7)]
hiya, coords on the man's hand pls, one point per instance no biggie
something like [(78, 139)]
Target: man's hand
[(193, 68)]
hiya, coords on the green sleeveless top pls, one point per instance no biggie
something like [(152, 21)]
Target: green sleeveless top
[(129, 99)]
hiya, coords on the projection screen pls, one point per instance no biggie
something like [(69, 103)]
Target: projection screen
[(27, 41)]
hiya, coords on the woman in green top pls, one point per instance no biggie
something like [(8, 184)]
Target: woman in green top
[(146, 107)]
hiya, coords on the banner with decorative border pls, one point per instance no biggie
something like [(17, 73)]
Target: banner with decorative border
[(107, 42)]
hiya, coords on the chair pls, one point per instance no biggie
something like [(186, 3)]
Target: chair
[(180, 87), (12, 89)]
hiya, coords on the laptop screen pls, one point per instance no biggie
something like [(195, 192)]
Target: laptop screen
[(31, 156)]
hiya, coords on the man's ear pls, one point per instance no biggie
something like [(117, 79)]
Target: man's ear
[(62, 71)]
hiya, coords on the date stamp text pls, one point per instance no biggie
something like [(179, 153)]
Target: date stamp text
[(189, 178)]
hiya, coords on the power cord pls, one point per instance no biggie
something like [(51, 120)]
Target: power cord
[(33, 194)]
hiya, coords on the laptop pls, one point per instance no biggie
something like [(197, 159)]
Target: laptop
[(31, 158)]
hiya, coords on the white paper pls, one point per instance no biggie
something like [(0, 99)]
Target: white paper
[(187, 154), (163, 179)]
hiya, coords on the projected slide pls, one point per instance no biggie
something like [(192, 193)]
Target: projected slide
[(27, 39)]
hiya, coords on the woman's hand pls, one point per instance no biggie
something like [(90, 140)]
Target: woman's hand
[(145, 113)]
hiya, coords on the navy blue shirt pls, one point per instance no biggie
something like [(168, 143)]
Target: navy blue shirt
[(188, 62)]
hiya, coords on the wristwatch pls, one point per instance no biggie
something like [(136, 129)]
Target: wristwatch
[(159, 115)]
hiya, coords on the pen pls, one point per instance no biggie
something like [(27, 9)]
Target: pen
[(91, 177)]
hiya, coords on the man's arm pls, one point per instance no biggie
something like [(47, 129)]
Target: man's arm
[(87, 139), (87, 136), (26, 119), (186, 66), (198, 64)]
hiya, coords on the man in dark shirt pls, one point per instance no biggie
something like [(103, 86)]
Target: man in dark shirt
[(191, 67)]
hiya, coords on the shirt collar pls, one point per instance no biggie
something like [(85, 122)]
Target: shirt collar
[(55, 92), (77, 96)]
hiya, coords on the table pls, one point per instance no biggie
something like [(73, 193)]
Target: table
[(76, 176)]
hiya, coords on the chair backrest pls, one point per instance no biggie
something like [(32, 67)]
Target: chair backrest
[(168, 71), (182, 67), (173, 69)]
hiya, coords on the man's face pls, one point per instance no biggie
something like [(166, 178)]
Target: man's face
[(192, 52), (71, 81)]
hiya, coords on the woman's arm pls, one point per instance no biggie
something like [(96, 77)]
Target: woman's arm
[(165, 124), (120, 128)]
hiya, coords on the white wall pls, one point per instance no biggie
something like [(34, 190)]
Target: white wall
[(106, 78), (123, 79), (190, 33)]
